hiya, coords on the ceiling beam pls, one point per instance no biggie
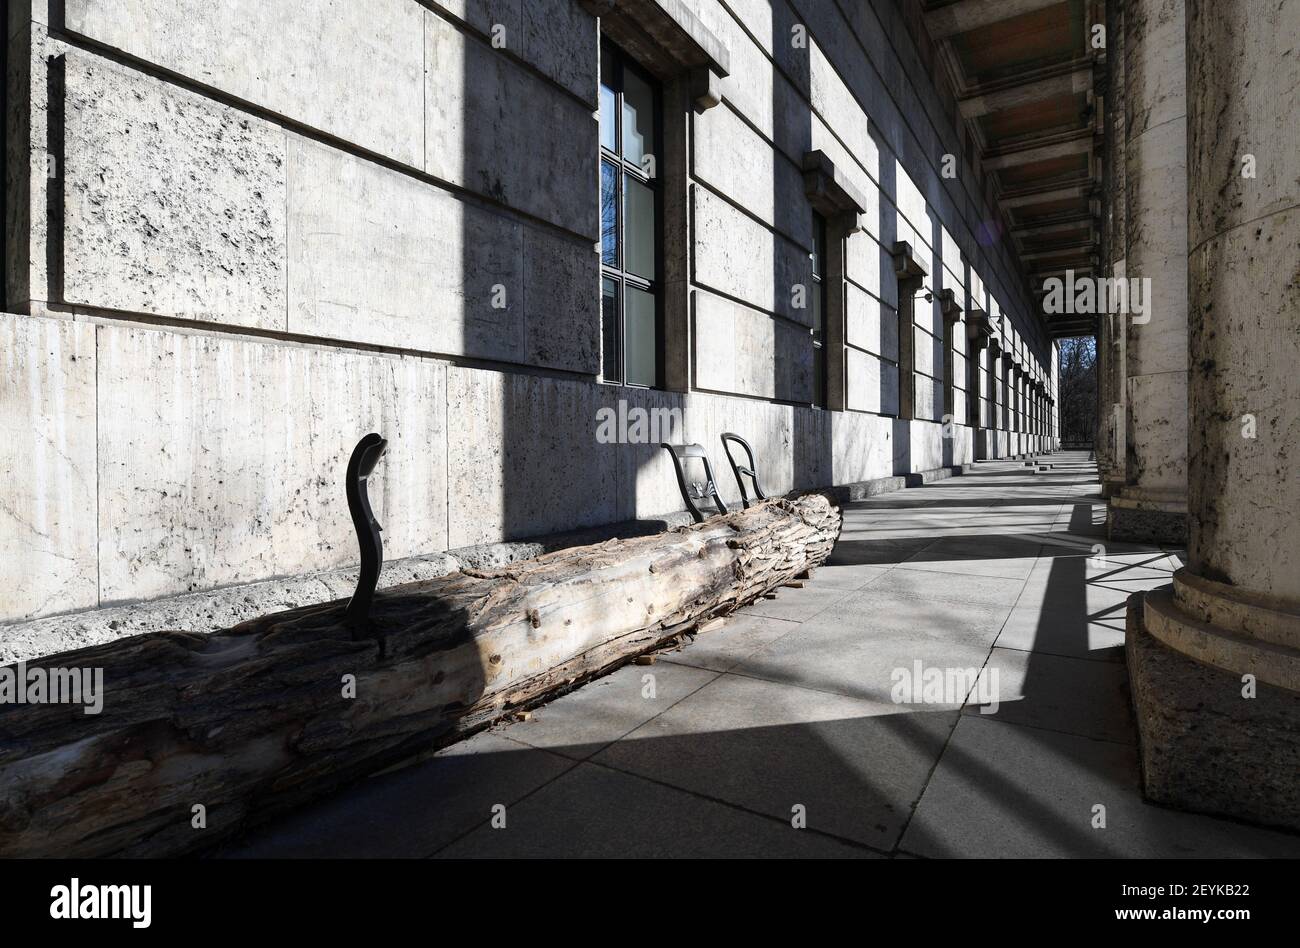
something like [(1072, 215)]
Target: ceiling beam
[(1072, 330), (967, 15), (1031, 153), (1026, 199), (1037, 278), (1053, 227), (1078, 78), (1079, 248)]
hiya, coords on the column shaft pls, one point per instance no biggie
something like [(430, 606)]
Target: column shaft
[(1152, 504), (1214, 658)]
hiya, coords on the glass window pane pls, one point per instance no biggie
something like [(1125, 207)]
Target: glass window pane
[(638, 118), (608, 118), (608, 214), (819, 377), (817, 292), (639, 337), (639, 228), (608, 100), (609, 331)]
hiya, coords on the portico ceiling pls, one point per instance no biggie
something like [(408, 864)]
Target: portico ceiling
[(1026, 80)]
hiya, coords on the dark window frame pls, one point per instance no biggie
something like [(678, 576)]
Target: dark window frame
[(620, 63)]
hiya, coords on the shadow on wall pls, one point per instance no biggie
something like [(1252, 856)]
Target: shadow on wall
[(811, 428), (538, 469)]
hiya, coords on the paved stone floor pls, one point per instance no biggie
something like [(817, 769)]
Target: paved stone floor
[(790, 704)]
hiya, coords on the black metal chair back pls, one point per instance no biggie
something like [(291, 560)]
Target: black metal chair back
[(693, 491), (742, 472)]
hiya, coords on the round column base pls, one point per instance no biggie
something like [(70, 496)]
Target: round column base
[(1204, 745), (1145, 516)]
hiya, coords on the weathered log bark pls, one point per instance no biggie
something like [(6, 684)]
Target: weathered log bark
[(253, 720)]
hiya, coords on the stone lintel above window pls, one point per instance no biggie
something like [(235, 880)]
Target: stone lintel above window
[(949, 306), (907, 265), (669, 40), (832, 195), (978, 328)]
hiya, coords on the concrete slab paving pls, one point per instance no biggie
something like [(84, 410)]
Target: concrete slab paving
[(977, 556), (580, 723), (950, 587), (848, 576), (1060, 612), (790, 709), (1002, 790), (866, 660), (722, 649), (595, 812), (799, 605), (1071, 695), (857, 767), (411, 812)]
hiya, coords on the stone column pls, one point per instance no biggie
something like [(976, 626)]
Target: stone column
[(1018, 405), (1031, 414), (1038, 416), (1111, 403), (1013, 438), (1043, 416), (1152, 504), (978, 331), (1031, 444), (1215, 657), (995, 410), (910, 271), (1018, 377), (951, 311), (1033, 418)]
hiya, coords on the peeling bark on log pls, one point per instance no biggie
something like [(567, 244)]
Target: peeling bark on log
[(252, 721)]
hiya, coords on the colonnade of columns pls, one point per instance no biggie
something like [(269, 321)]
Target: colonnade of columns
[(1004, 397), (1209, 211)]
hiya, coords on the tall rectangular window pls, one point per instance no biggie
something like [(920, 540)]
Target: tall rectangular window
[(818, 302), (631, 322)]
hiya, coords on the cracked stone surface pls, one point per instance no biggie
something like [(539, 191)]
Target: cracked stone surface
[(175, 204)]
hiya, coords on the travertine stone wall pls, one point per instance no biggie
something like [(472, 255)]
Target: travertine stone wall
[(48, 526), (243, 235)]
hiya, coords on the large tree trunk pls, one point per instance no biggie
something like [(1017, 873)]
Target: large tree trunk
[(254, 720)]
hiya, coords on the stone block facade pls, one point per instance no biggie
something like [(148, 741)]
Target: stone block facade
[(239, 237)]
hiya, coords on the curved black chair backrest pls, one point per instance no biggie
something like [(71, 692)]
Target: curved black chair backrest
[(364, 458), (741, 472), (687, 452)]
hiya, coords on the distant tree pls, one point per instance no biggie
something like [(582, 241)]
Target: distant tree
[(1078, 388)]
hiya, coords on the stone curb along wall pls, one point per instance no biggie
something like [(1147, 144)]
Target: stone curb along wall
[(239, 238)]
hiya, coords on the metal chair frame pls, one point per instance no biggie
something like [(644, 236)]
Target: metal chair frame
[(694, 452), (743, 472)]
